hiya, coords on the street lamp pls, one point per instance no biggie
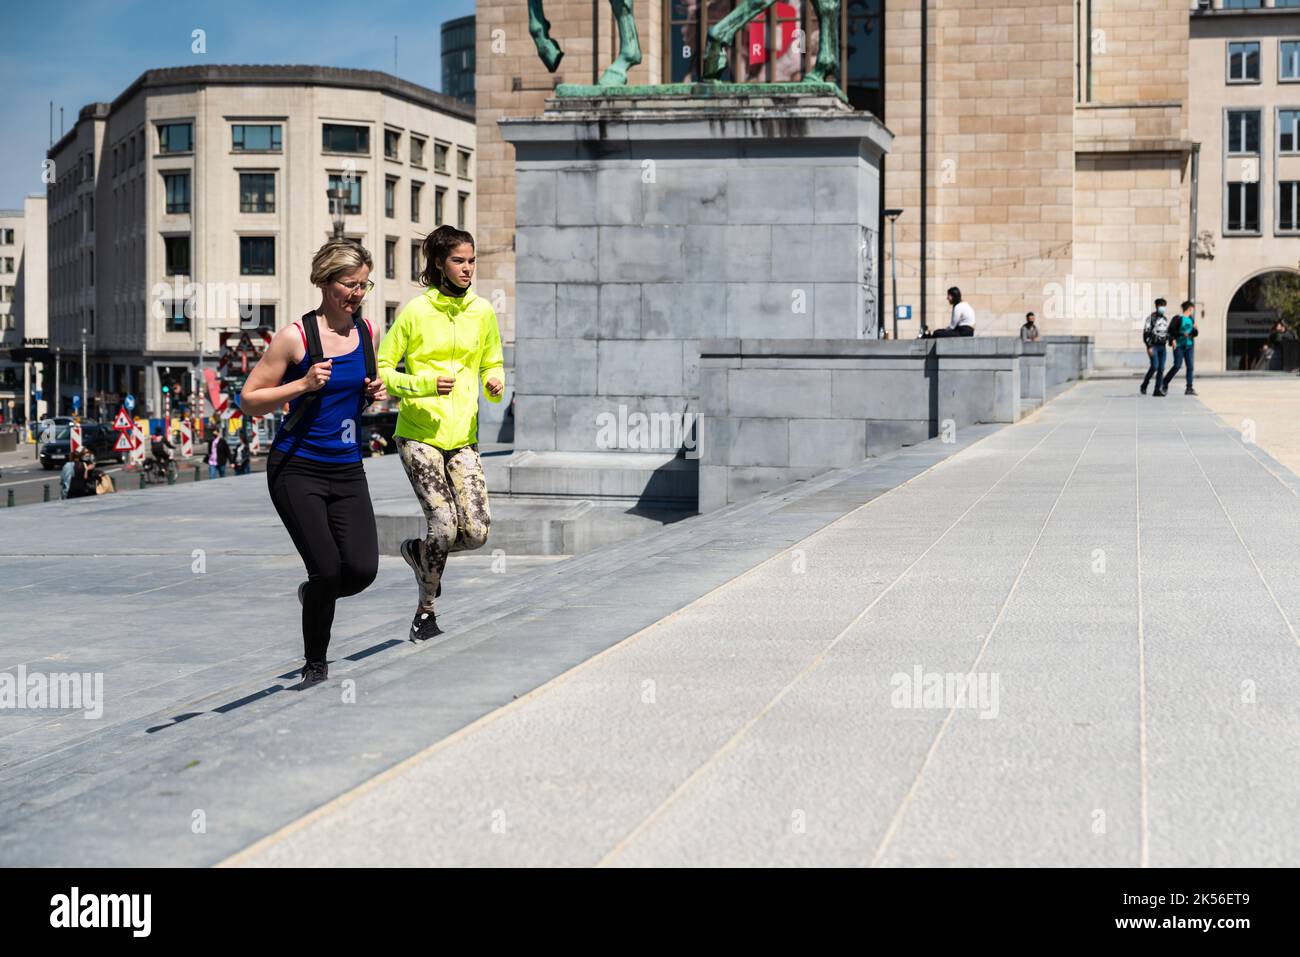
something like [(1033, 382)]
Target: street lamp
[(892, 215), (337, 196)]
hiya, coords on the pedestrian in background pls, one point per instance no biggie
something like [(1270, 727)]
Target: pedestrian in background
[(85, 477), (1029, 331), (65, 475), (1183, 333), (243, 456), (1155, 336), (962, 322), (218, 455)]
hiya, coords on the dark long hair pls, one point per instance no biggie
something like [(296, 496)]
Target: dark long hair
[(438, 245)]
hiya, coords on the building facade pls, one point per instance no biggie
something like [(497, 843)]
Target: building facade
[(458, 59), (23, 323), (184, 214), (1044, 151)]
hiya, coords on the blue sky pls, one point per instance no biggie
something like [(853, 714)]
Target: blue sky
[(79, 52)]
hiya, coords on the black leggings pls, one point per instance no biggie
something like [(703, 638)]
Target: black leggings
[(326, 510)]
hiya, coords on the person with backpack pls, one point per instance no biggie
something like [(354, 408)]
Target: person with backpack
[(451, 345), (1182, 334), (1155, 336), (323, 365)]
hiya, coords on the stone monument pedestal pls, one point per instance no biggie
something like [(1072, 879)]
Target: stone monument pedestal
[(646, 222)]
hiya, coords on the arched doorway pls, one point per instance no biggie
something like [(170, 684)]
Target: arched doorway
[(1250, 319)]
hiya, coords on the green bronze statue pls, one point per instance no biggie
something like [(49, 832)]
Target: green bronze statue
[(721, 34), (629, 47)]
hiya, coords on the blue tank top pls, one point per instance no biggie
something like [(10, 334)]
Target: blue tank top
[(332, 432)]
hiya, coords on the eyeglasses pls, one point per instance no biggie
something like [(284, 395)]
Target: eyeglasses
[(352, 287)]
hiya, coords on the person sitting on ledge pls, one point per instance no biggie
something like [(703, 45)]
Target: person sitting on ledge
[(962, 322), (1029, 331)]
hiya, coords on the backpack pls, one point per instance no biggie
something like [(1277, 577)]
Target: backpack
[(1159, 329), (315, 354)]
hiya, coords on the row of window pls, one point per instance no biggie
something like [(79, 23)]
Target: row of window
[(1244, 127), (257, 195), (174, 138), (178, 313), (1242, 208), (1244, 61), (257, 256)]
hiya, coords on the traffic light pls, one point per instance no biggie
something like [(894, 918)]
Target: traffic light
[(166, 389)]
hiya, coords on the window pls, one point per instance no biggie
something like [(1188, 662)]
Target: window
[(462, 209), (6, 293), (257, 255), (390, 197), (256, 315), (417, 152), (462, 164), (415, 262), (263, 138), (352, 186), (1243, 62), (1243, 131), (178, 255), (415, 201), (178, 315), (392, 144), (337, 138), (176, 138), (1288, 206), (1242, 4), (1243, 208), (7, 265), (439, 200), (390, 315), (1287, 139), (257, 192), (92, 267), (440, 151), (390, 259), (6, 237), (1288, 59), (178, 192)]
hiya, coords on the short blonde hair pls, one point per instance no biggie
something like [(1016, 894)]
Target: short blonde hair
[(337, 257)]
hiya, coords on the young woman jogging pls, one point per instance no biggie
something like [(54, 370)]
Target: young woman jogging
[(450, 342), (314, 471)]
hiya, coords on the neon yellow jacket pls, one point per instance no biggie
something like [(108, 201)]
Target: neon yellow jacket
[(438, 335)]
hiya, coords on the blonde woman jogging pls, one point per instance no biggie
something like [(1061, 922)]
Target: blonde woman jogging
[(449, 340), (322, 365)]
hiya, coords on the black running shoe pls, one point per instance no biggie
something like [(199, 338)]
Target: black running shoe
[(424, 626), (1189, 391), (313, 673), (1143, 388)]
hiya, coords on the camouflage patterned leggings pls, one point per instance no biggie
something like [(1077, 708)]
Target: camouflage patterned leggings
[(450, 487)]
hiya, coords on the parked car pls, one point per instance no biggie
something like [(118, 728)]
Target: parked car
[(95, 436)]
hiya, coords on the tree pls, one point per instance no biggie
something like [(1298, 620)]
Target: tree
[(1280, 292)]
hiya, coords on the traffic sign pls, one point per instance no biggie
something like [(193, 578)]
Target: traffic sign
[(129, 402), (76, 401), (123, 443), (138, 449), (74, 438), (123, 422)]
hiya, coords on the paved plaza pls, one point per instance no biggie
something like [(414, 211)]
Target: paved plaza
[(1068, 641)]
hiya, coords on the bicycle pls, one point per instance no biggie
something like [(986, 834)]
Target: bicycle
[(156, 474)]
